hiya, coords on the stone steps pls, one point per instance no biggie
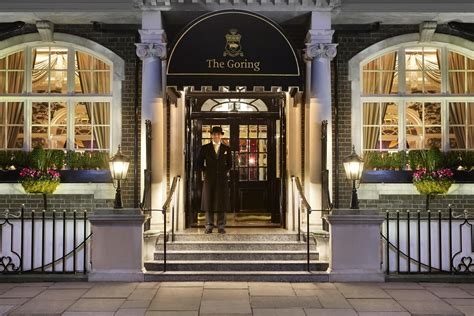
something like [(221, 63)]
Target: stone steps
[(231, 245), (239, 256), (242, 276), (235, 255), (235, 265)]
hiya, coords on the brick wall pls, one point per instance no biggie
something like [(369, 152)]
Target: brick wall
[(57, 202), (350, 44), (123, 44)]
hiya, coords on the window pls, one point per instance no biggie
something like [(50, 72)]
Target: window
[(416, 98), (56, 96), (234, 105)]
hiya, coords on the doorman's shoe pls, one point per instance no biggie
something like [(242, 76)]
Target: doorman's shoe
[(221, 231), (208, 231)]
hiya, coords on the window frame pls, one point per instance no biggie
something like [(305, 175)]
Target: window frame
[(440, 41), (73, 43)]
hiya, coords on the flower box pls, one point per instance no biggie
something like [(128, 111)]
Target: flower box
[(406, 176), (67, 176)]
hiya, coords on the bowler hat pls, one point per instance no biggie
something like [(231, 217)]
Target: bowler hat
[(217, 129)]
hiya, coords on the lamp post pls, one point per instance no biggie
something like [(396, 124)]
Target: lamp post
[(118, 165), (353, 166)]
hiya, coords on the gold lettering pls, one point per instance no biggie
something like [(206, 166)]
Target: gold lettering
[(233, 64)]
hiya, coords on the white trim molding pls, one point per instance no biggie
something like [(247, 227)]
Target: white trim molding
[(99, 190), (398, 43)]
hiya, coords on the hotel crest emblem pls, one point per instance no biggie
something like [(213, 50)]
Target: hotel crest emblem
[(233, 47)]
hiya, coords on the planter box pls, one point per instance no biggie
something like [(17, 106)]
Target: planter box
[(67, 176), (406, 176)]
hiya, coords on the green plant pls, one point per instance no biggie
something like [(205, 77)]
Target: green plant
[(467, 159), (57, 159), (72, 159), (100, 160), (20, 158), (415, 159), (453, 159)]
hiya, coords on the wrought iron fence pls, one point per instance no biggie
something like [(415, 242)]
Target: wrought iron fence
[(44, 241), (424, 242)]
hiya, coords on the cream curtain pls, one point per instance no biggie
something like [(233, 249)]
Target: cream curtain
[(457, 110), (16, 80), (95, 83), (371, 83)]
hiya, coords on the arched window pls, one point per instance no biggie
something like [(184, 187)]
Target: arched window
[(416, 96), (234, 105), (59, 96)]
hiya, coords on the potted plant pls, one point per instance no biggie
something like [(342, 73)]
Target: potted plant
[(433, 182), (38, 181)]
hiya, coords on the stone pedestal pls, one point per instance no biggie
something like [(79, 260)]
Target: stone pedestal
[(116, 247), (355, 246)]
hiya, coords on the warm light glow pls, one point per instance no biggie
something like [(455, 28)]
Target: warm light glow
[(118, 165), (353, 166)]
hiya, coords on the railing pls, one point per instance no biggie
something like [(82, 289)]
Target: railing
[(44, 241), (300, 204), (171, 204), (427, 242)]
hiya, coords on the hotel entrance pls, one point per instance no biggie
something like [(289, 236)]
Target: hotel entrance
[(252, 126)]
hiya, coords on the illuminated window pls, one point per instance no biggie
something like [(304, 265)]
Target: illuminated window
[(55, 96)]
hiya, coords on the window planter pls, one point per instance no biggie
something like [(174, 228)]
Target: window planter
[(67, 176), (405, 176)]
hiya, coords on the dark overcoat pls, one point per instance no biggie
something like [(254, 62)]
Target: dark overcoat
[(215, 190)]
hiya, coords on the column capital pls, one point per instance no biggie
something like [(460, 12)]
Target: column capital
[(319, 36), (145, 50), (153, 44), (318, 51)]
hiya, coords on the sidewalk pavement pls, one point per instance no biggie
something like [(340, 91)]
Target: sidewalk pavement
[(236, 298)]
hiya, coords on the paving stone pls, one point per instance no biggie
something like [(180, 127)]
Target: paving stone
[(284, 302), (177, 299), (271, 289), (215, 295), (384, 314), (225, 306), (428, 307), (43, 307), (330, 312), (401, 286), (182, 284), (326, 286), (71, 285), (449, 292), (226, 285), (136, 304), (23, 291), (354, 290), (148, 285), (328, 298), (64, 294), (120, 290), (172, 313), (278, 312), (5, 308), (467, 310), (458, 301), (304, 286), (96, 305), (13, 301), (142, 294), (88, 313), (131, 312), (375, 305), (413, 295)]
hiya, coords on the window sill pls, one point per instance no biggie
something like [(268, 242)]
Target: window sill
[(99, 190)]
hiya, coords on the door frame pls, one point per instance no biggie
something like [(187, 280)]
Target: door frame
[(195, 99)]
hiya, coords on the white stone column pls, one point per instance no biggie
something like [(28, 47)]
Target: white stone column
[(319, 53), (152, 51), (355, 246)]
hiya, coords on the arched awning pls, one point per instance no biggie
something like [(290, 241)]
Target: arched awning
[(233, 48)]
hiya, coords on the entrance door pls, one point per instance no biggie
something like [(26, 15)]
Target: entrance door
[(253, 182)]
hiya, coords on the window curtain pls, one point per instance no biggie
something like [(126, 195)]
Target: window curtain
[(372, 110), (95, 82), (457, 110), (16, 80)]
